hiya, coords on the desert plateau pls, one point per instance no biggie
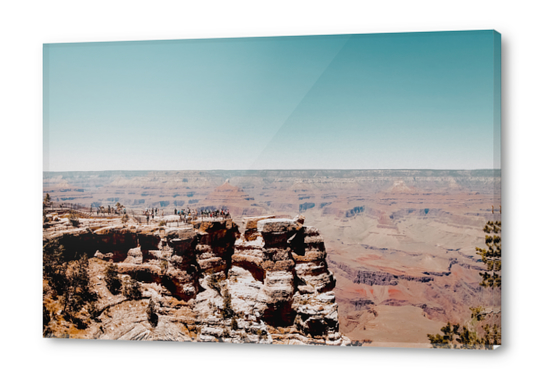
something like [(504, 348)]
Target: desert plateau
[(337, 257)]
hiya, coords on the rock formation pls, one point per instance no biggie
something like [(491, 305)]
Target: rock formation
[(208, 281)]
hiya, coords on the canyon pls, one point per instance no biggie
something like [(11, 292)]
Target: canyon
[(393, 251)]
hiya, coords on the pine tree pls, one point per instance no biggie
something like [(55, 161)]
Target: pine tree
[(491, 256), (77, 292), (54, 266), (466, 336), (46, 200)]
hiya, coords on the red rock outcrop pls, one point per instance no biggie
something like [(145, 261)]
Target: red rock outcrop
[(267, 284)]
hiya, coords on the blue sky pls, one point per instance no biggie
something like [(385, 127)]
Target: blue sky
[(373, 101)]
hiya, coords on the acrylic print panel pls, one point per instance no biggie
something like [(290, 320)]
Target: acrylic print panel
[(335, 190)]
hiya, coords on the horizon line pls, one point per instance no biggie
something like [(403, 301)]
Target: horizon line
[(287, 169)]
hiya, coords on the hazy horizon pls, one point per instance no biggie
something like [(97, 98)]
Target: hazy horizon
[(359, 102), (280, 169)]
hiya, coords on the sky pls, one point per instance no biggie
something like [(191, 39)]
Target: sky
[(362, 101)]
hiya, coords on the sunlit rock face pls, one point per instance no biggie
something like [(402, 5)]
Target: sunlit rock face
[(264, 282)]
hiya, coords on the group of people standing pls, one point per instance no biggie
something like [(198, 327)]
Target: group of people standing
[(150, 213), (108, 210), (188, 214), (193, 214)]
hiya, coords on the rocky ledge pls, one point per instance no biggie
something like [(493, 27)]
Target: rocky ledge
[(209, 282)]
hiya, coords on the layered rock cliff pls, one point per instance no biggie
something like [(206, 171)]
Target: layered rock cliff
[(206, 281)]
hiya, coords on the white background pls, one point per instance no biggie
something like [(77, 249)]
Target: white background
[(25, 26)]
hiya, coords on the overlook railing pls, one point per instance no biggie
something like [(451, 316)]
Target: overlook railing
[(138, 215)]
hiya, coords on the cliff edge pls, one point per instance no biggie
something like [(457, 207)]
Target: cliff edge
[(204, 281)]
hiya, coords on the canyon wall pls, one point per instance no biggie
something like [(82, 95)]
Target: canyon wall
[(268, 283)]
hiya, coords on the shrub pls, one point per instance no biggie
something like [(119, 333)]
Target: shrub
[(227, 311), (214, 283), (54, 266), (360, 343), (163, 266), (78, 291), (69, 282), (112, 279), (152, 314), (131, 289), (74, 219), (93, 311), (46, 319)]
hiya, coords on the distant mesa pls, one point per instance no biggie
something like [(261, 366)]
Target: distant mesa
[(228, 193), (452, 184), (234, 199), (301, 187), (399, 186)]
